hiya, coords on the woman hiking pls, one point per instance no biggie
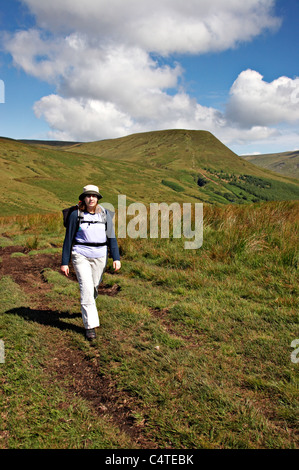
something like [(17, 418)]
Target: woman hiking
[(86, 241)]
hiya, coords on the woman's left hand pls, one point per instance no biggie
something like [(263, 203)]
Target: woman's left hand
[(116, 265)]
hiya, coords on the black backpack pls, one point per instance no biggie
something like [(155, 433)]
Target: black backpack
[(67, 212)]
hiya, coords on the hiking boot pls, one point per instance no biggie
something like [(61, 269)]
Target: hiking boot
[(90, 334)]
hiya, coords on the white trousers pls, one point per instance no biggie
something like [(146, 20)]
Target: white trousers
[(89, 272)]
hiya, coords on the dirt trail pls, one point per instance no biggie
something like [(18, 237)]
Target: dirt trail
[(87, 381)]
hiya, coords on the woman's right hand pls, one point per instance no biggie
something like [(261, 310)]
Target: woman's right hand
[(65, 270)]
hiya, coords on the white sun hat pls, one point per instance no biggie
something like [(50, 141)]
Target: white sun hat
[(90, 189)]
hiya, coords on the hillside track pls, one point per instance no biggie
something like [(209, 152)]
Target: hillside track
[(78, 372)]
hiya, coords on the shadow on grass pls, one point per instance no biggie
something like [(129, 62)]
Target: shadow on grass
[(48, 317)]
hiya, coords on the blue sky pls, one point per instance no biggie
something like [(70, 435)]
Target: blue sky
[(101, 69)]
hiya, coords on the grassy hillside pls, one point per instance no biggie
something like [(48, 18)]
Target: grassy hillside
[(194, 349), (286, 163), (164, 166)]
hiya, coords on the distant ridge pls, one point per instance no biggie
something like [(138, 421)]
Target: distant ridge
[(54, 143), (284, 163), (48, 143)]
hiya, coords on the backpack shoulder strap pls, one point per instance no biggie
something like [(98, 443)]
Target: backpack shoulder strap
[(104, 214), (100, 210), (80, 217)]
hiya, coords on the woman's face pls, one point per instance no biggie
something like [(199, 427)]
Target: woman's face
[(91, 202)]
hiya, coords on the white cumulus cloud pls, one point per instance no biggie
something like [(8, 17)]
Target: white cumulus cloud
[(79, 119), (162, 26), (110, 63), (255, 102)]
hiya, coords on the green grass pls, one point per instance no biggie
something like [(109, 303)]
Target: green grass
[(197, 341), (36, 412), (167, 166), (173, 185)]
